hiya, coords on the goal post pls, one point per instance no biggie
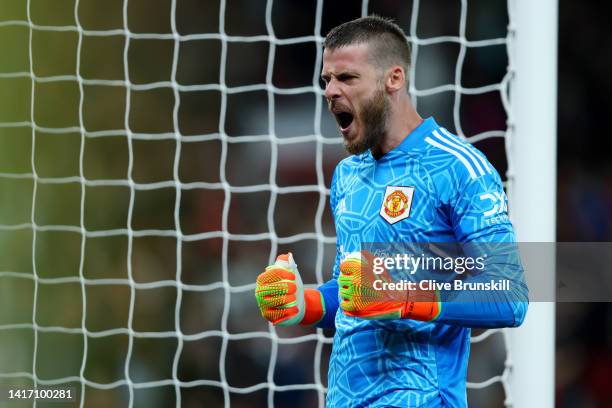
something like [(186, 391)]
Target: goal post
[(533, 152)]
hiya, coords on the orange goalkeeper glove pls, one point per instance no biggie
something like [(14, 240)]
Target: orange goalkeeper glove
[(281, 296), (359, 297)]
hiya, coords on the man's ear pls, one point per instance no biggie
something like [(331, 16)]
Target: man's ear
[(396, 79)]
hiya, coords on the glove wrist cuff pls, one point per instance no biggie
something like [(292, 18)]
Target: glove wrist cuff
[(314, 307), (422, 305)]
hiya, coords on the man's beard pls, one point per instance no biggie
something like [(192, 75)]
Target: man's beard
[(374, 119)]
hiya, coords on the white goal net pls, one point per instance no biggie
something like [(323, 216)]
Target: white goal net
[(157, 155)]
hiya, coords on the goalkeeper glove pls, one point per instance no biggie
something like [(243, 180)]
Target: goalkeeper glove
[(281, 296), (359, 298)]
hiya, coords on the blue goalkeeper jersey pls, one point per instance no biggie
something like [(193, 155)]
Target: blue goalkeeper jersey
[(433, 187)]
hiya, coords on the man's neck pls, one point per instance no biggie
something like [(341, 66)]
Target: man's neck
[(401, 122)]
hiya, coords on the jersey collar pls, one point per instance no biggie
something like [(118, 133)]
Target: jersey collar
[(416, 138)]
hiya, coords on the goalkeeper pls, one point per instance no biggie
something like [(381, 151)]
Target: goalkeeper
[(407, 180)]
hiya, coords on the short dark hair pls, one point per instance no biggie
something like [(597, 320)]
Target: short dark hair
[(391, 46)]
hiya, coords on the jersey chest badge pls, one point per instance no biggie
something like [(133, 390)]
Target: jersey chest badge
[(397, 203)]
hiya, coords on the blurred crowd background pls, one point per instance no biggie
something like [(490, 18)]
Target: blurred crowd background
[(123, 141), (584, 197)]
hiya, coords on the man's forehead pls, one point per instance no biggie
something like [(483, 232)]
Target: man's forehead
[(349, 56)]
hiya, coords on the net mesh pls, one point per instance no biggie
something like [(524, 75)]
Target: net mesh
[(137, 228)]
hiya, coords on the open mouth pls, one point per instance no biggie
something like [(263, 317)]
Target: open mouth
[(344, 119)]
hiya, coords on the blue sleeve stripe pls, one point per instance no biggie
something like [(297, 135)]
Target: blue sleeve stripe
[(473, 154), (455, 153)]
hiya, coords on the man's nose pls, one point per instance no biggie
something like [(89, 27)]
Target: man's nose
[(331, 90)]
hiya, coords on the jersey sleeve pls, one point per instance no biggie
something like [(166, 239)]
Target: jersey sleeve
[(479, 209), (478, 212)]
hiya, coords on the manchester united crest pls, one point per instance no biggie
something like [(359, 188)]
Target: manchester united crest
[(397, 203)]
